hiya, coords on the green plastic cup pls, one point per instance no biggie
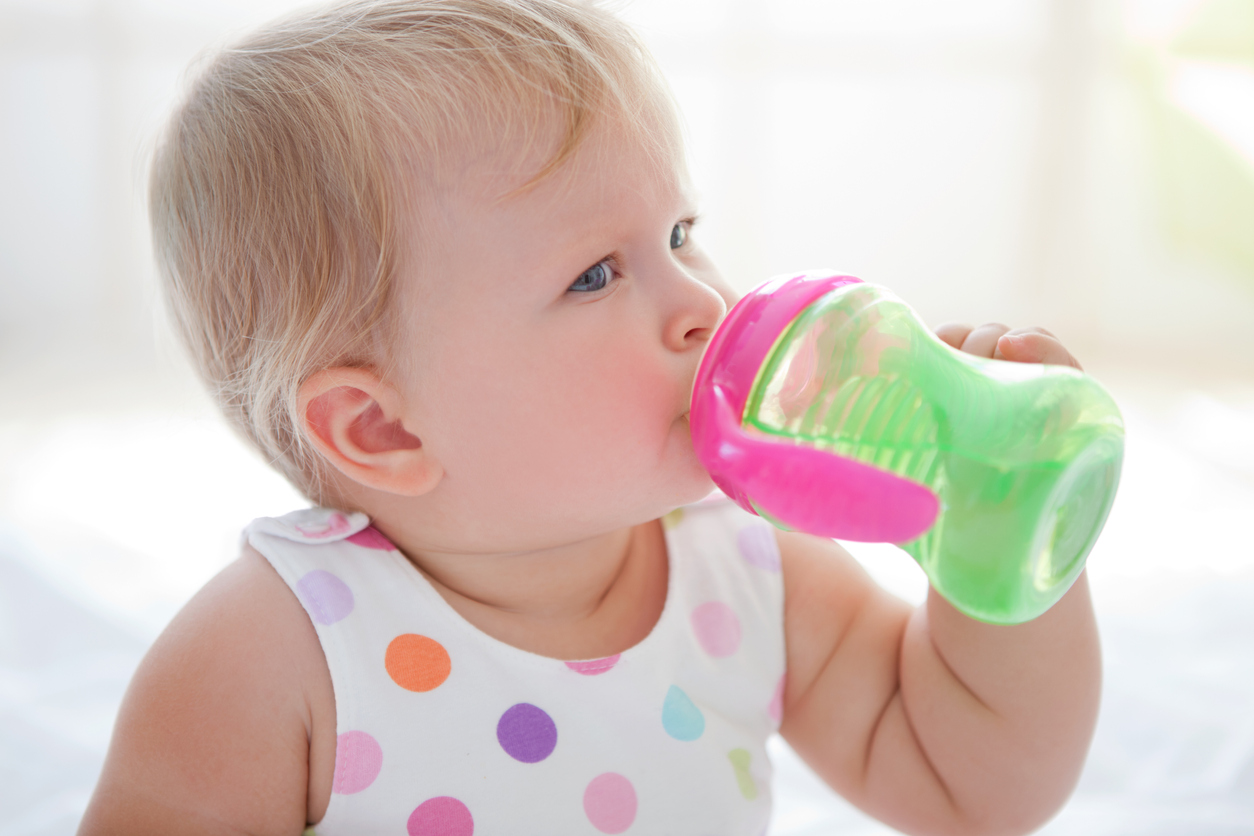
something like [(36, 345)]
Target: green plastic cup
[(1024, 459)]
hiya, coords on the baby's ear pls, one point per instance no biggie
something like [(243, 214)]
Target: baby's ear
[(355, 421)]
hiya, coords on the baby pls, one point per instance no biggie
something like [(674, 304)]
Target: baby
[(436, 260)]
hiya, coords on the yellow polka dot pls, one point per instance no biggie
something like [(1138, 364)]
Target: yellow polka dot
[(673, 519), (740, 765)]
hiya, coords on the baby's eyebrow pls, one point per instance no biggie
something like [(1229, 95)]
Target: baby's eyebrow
[(689, 203)]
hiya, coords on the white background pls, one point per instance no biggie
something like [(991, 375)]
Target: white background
[(986, 159)]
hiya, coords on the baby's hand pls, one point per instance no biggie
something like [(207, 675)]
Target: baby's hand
[(1021, 345)]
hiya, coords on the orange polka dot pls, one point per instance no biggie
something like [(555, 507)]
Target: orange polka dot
[(417, 663)]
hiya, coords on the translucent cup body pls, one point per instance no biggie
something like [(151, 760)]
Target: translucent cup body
[(1025, 459)]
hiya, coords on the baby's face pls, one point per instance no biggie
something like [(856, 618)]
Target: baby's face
[(553, 337)]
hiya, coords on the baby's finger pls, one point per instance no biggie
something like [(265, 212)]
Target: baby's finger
[(1036, 329), (1034, 345), (982, 342), (953, 333)]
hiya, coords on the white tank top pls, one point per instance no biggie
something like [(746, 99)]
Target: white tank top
[(443, 730)]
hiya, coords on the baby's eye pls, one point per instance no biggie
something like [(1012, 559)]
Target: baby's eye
[(679, 234), (594, 278)]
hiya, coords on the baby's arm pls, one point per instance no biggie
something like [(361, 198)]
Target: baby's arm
[(930, 721), (214, 733)]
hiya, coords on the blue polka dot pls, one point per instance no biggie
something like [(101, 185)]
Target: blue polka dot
[(680, 717)]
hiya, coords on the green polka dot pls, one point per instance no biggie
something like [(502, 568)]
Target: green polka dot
[(673, 519), (740, 765)]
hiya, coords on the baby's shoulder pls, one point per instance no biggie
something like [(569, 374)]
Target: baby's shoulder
[(251, 615), (231, 697), (248, 615)]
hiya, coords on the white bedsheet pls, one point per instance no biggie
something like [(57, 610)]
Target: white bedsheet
[(86, 581)]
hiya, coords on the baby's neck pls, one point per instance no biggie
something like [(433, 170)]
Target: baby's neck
[(582, 600)]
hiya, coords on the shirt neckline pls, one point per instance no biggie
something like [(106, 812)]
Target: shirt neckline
[(445, 611)]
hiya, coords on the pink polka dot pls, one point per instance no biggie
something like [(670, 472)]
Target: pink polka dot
[(758, 547), (592, 667), (610, 802), (327, 598), (775, 710), (358, 759), (370, 538), (441, 816), (717, 628), (335, 523)]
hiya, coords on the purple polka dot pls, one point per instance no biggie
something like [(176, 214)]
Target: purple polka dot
[(441, 816), (592, 667), (717, 628), (526, 733), (610, 802), (370, 538), (327, 598), (358, 759), (758, 547)]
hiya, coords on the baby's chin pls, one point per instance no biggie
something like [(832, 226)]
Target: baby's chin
[(691, 483), (694, 492)]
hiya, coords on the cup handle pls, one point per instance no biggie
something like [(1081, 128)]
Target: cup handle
[(814, 490)]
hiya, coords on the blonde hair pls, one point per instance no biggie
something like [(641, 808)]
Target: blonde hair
[(279, 185)]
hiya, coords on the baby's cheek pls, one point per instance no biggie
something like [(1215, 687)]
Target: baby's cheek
[(553, 414), (638, 399)]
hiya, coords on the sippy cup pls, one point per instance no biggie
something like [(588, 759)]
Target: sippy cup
[(825, 405)]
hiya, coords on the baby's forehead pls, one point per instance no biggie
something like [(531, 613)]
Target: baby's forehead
[(497, 160), (623, 181)]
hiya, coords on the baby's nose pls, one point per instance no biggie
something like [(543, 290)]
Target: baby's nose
[(699, 310)]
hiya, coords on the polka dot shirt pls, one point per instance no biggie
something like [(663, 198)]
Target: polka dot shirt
[(443, 730)]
